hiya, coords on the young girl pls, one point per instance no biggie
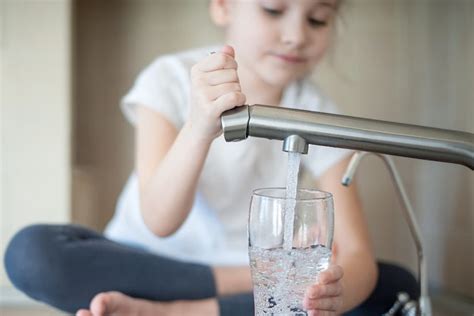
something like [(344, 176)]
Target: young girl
[(180, 242)]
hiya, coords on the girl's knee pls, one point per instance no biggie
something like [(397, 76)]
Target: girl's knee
[(45, 262), (399, 279), (32, 254)]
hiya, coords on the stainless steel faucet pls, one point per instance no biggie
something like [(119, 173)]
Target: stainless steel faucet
[(298, 128)]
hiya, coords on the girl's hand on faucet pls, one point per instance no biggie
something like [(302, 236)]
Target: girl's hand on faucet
[(215, 88), (325, 296)]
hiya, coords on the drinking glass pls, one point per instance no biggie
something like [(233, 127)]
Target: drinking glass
[(281, 275)]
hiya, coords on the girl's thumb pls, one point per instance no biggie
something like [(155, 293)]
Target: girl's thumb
[(227, 49)]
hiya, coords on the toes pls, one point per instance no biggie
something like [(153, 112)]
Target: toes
[(99, 304), (108, 303), (83, 312)]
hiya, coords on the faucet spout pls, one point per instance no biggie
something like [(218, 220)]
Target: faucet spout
[(356, 133), (295, 143)]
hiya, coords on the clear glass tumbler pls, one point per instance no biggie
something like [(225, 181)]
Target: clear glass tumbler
[(281, 275)]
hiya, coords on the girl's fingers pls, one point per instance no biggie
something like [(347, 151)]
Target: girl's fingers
[(325, 297), (229, 101), (221, 76), (327, 290), (215, 62), (229, 50), (214, 92), (326, 304), (332, 274)]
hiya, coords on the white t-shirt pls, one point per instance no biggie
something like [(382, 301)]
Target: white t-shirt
[(215, 231)]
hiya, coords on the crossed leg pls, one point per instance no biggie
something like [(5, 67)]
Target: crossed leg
[(73, 268)]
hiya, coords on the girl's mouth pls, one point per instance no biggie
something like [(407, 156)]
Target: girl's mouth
[(292, 59)]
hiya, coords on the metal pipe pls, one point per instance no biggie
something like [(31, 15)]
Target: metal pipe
[(410, 218), (349, 132)]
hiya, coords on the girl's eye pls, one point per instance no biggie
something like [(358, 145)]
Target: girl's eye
[(273, 12), (317, 23)]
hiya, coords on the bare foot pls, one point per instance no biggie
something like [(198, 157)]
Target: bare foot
[(232, 280), (118, 304)]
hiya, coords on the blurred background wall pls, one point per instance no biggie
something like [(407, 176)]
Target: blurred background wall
[(400, 60), (35, 117)]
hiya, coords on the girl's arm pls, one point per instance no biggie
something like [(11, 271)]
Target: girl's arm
[(168, 165), (169, 162), (352, 250)]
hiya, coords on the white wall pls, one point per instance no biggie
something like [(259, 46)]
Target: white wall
[(35, 115)]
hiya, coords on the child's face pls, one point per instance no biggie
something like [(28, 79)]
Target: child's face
[(279, 40)]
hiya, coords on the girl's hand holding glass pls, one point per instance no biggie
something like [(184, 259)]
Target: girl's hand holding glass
[(215, 88), (325, 297)]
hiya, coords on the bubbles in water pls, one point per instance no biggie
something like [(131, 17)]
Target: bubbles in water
[(281, 277)]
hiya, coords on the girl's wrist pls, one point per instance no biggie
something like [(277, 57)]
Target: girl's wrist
[(195, 136)]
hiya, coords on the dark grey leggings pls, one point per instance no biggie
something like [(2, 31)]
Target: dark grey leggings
[(65, 266)]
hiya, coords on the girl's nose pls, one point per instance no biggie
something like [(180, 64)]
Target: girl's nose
[(293, 33)]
